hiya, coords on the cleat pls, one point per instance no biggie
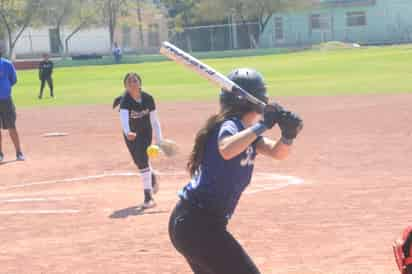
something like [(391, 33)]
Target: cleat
[(149, 204), (20, 156)]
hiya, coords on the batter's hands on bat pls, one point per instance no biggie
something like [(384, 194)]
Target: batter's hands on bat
[(271, 114), (131, 136), (290, 124)]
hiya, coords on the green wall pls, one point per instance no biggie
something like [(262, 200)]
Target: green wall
[(387, 21)]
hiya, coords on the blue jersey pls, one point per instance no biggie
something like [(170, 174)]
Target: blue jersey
[(219, 183), (7, 78)]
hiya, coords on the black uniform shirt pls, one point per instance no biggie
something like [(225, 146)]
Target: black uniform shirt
[(45, 69), (139, 113)]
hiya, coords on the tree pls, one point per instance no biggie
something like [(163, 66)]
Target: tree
[(77, 14), (85, 14), (183, 14), (249, 10), (112, 9), (143, 10), (262, 10), (57, 13), (135, 21), (16, 16)]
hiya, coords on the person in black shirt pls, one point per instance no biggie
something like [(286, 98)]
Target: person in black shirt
[(45, 75), (139, 120)]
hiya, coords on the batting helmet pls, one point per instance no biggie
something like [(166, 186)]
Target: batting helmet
[(251, 81)]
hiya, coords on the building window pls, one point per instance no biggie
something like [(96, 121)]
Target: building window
[(278, 28), (153, 35), (356, 18), (319, 22)]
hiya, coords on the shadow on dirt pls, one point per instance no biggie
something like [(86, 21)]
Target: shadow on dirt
[(134, 211)]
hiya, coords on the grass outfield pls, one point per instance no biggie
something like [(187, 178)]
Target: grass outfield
[(356, 71)]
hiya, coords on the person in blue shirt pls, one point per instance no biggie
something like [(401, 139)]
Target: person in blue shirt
[(221, 165), (8, 79), (117, 53)]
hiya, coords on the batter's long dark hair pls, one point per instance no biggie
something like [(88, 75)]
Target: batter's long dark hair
[(205, 132)]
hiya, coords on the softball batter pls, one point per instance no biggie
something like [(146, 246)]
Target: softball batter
[(139, 119), (221, 165)]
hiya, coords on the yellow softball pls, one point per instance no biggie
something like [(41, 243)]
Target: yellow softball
[(153, 151)]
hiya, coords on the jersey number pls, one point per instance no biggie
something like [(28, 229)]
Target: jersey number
[(248, 161)]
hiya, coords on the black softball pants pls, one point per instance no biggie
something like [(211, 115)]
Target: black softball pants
[(206, 244), (49, 81), (137, 149)]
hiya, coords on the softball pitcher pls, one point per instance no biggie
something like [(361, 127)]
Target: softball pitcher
[(139, 119), (221, 165)]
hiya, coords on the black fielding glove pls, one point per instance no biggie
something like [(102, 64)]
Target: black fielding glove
[(116, 101), (290, 124), (272, 115)]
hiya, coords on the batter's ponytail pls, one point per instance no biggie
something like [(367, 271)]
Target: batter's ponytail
[(198, 151)]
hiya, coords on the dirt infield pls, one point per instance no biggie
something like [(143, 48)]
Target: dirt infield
[(333, 207)]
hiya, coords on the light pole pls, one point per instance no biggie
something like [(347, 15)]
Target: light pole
[(234, 28)]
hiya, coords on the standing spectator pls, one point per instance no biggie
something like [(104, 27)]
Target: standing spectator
[(7, 109), (45, 75), (117, 53)]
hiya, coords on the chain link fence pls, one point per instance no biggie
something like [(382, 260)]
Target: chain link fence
[(218, 37)]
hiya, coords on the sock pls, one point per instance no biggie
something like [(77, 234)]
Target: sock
[(146, 175)]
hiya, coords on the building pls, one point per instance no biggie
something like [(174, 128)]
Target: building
[(356, 21), (129, 34), (35, 41)]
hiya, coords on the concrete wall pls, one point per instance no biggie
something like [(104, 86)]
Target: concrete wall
[(37, 41)]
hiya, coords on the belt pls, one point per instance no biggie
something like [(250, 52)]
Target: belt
[(203, 212)]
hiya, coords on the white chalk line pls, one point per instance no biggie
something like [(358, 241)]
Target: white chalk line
[(69, 180), (285, 179), (85, 178), (35, 199), (39, 212), (278, 181)]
